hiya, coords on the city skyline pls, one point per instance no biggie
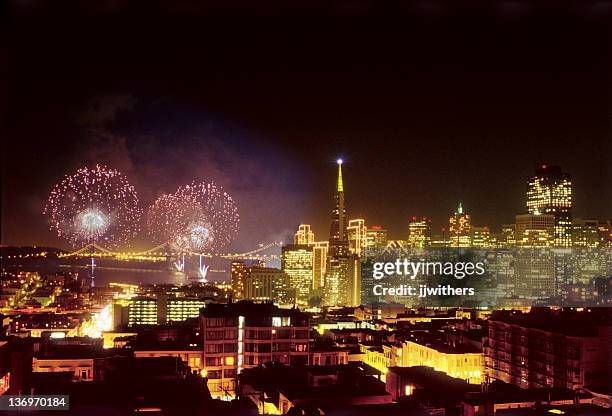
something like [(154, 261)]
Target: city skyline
[(143, 241), (428, 114)]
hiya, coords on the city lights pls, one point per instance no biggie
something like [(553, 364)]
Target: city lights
[(339, 209)]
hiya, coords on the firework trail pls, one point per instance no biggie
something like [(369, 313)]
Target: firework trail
[(199, 217), (96, 205)]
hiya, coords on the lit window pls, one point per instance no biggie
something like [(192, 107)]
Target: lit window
[(229, 360)]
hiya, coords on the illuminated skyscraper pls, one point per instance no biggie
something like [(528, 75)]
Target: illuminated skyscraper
[(377, 237), (268, 284), (337, 271), (338, 238), (534, 260), (298, 262), (354, 281), (419, 232), (604, 230), (238, 275), (507, 237), (460, 228), (304, 235), (319, 255), (550, 192), (480, 237), (440, 240), (585, 233), (357, 236), (535, 230)]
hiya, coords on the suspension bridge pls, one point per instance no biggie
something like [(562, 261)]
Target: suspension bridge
[(166, 251)]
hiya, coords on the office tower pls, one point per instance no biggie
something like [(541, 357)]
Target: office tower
[(180, 309), (481, 237), (367, 276), (507, 237), (354, 281), (377, 237), (319, 260), (244, 335), (534, 261), (460, 228), (550, 192), (535, 230), (143, 311), (440, 240), (585, 233), (268, 284), (304, 235), (338, 238), (298, 262), (419, 232), (357, 236), (604, 229), (343, 281), (238, 275), (548, 348), (336, 281)]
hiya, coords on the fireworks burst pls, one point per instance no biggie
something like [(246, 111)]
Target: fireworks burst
[(94, 206), (200, 217)]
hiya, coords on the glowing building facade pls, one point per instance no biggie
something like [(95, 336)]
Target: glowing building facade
[(268, 284), (162, 309), (244, 335), (585, 233), (180, 309), (354, 281), (507, 237), (419, 232), (535, 230), (357, 236), (534, 261), (460, 228), (298, 263), (238, 275), (480, 237), (377, 237), (463, 362), (319, 260), (550, 192), (143, 311), (304, 235)]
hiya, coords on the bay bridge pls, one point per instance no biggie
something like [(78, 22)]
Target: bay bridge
[(165, 252)]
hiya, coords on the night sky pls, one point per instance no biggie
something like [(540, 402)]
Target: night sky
[(428, 105)]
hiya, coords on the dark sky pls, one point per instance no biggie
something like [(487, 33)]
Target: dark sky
[(427, 103)]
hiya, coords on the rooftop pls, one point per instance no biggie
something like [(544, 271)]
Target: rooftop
[(249, 309), (567, 321), (434, 381), (293, 382)]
